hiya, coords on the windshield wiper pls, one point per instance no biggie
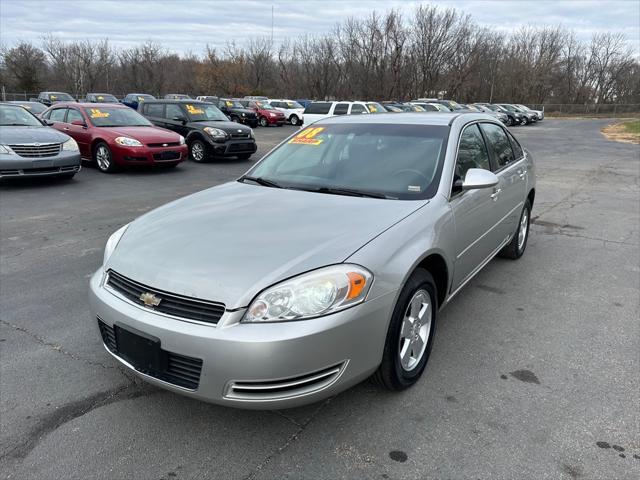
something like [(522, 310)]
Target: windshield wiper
[(261, 181), (346, 191)]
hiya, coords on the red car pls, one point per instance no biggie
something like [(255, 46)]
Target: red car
[(115, 136), (267, 115)]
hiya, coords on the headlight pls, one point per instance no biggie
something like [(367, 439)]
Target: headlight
[(244, 114), (128, 142), (6, 149), (320, 292), (182, 141), (70, 145), (113, 242), (216, 133)]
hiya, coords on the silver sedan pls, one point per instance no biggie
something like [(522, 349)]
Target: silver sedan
[(325, 264)]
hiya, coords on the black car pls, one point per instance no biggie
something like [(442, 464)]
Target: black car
[(207, 130), (513, 118), (233, 109), (101, 98), (134, 99), (49, 98)]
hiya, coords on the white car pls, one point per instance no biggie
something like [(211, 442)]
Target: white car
[(293, 111), (318, 110)]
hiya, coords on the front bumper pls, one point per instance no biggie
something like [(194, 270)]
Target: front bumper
[(16, 166), (232, 148), (276, 120), (261, 366), (147, 155)]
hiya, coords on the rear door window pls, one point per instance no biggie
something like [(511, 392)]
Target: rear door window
[(318, 108), (174, 111), (341, 109), (499, 144), (517, 149), (154, 110), (357, 109)]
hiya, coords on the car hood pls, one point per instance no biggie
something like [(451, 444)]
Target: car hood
[(225, 126), (34, 134), (146, 134), (228, 243)]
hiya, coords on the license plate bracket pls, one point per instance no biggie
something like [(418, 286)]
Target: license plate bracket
[(139, 349)]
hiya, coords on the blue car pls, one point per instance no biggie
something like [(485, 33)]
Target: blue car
[(133, 99)]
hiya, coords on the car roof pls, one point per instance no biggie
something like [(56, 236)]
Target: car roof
[(88, 105), (174, 100), (408, 118)]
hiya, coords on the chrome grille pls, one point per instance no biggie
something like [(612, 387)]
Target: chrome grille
[(36, 151), (170, 304)]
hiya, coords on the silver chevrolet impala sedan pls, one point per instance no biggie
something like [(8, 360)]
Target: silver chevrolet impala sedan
[(325, 264)]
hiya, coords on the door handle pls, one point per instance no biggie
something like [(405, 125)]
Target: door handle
[(66, 128), (522, 174), (495, 194)]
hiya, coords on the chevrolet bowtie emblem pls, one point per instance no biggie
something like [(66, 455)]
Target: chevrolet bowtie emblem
[(149, 299)]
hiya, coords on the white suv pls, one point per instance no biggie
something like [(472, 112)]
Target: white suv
[(318, 110), (293, 111)]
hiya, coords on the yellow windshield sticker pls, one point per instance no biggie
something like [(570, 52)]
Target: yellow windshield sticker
[(53, 97), (97, 113), (100, 97), (373, 108), (194, 110), (141, 99), (229, 104), (307, 137)]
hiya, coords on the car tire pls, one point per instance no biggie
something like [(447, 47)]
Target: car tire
[(197, 150), (103, 158), (518, 244), (294, 120), (510, 121), (235, 119), (525, 121), (264, 122), (245, 156), (418, 299)]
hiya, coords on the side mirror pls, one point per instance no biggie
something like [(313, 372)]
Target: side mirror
[(79, 123), (476, 178), (180, 119), (46, 122)]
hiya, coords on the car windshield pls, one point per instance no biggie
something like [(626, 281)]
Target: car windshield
[(293, 105), (509, 108), (495, 108), (61, 97), (34, 107), (264, 106), (375, 107), (233, 104), (105, 98), (453, 105), (394, 161), (205, 112), (116, 117), (16, 116)]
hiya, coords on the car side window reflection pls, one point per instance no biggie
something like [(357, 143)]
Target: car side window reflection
[(174, 111), (472, 153), (74, 115), (499, 143), (517, 149), (57, 115)]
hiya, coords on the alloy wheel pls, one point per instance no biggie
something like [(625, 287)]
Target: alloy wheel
[(103, 158), (415, 330), (197, 151), (523, 229)]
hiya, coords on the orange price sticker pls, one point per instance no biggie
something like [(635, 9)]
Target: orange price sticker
[(307, 137), (97, 113), (194, 110)]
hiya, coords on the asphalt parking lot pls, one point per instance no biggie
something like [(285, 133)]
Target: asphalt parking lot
[(534, 372)]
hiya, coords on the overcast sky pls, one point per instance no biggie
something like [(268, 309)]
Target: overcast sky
[(188, 26)]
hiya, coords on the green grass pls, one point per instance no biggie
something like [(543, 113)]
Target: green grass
[(632, 127)]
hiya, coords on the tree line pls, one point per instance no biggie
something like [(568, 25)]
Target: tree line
[(431, 52)]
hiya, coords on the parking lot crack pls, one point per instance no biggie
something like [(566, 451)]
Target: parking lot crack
[(290, 440), (58, 348)]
